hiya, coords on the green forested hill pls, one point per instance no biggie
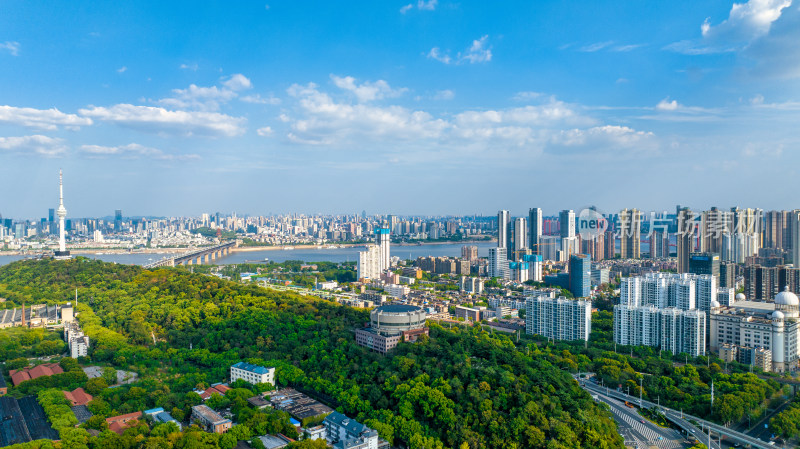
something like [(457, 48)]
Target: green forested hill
[(460, 387)]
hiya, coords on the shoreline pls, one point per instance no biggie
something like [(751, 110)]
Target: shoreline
[(242, 249)]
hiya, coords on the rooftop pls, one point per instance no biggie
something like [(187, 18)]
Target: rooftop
[(208, 414), (252, 368), (398, 308)]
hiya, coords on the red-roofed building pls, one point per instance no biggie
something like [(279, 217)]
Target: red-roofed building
[(219, 389), (78, 396), (118, 424), (47, 369)]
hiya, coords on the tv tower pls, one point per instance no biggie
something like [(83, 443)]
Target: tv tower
[(62, 252)]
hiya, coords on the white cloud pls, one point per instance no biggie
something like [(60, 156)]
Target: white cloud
[(437, 54), (122, 69), (746, 21), (237, 82), (258, 99), (11, 47), (627, 48), (208, 98), (367, 91), (37, 144), (49, 119), (479, 51), (193, 67), (597, 46), (526, 96), (666, 105), (322, 121), (327, 122), (134, 150), (422, 5), (195, 97), (160, 120), (446, 94), (264, 132), (430, 5), (622, 140)]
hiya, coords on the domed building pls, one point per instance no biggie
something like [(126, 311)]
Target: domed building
[(759, 333), (391, 324)]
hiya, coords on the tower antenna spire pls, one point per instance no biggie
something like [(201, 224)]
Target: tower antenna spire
[(62, 252)]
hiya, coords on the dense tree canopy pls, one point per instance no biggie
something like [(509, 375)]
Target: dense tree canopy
[(459, 388)]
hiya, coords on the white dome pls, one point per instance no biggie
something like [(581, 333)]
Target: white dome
[(778, 315), (714, 304), (787, 298), (740, 297)]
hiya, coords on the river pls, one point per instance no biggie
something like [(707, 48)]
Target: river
[(300, 253)]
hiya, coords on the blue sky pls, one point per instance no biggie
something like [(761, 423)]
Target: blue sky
[(427, 107)]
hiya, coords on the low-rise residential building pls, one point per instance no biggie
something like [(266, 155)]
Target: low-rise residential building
[(396, 290), (78, 397), (345, 433), (472, 285), (253, 374), (210, 420), (118, 424), (21, 375), (473, 314), (159, 416)]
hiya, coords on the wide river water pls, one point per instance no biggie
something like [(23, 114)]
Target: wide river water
[(305, 254)]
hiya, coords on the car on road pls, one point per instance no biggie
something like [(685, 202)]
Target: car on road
[(641, 421)]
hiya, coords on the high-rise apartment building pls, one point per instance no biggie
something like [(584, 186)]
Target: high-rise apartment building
[(659, 244), (580, 275), (763, 283), (520, 235), (559, 319), (704, 263), (504, 232), (383, 235), (535, 229), (369, 262), (669, 329), (794, 224), (630, 223), (683, 291), (566, 221), (498, 263), (684, 238)]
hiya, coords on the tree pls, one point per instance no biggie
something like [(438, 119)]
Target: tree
[(96, 385), (110, 375)]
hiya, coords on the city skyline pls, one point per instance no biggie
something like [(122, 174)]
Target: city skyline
[(267, 108)]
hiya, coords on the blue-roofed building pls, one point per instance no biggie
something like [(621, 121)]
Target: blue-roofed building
[(345, 433), (158, 415), (253, 374)]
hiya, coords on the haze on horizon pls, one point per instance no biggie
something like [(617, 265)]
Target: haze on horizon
[(424, 107)]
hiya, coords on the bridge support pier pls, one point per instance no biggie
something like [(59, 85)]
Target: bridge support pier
[(199, 260)]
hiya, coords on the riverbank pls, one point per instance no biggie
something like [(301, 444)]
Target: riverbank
[(238, 249)]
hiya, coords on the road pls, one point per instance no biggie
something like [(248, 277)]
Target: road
[(679, 418), (640, 434), (762, 432)]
